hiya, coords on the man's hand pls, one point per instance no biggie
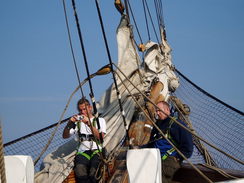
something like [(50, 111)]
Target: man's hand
[(82, 118), (85, 120), (74, 118)]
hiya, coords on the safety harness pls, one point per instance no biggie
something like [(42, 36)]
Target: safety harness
[(86, 137), (89, 157), (167, 135)]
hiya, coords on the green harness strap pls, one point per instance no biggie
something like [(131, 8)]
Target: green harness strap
[(89, 157), (170, 151)]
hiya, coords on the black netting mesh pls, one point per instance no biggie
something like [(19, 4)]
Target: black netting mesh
[(32, 145), (214, 121)]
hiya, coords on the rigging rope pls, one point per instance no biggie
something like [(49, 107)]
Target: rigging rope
[(32, 143), (58, 124), (164, 136), (87, 71), (161, 13), (208, 159), (145, 14), (61, 117), (237, 160), (71, 46), (154, 29), (112, 69), (77, 73), (157, 14), (137, 30), (202, 149), (222, 172), (127, 10)]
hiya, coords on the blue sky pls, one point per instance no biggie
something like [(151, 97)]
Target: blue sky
[(37, 73)]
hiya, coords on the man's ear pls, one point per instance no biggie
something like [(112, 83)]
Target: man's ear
[(168, 110), (90, 107)]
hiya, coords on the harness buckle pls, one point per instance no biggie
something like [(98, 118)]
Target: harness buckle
[(85, 137)]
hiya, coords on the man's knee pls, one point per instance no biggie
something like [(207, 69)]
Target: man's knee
[(170, 166), (80, 170)]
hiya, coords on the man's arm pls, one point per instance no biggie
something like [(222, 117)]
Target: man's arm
[(66, 132), (96, 132), (185, 142)]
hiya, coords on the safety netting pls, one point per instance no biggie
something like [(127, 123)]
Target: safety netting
[(213, 120)]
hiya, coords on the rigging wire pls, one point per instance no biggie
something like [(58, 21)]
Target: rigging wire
[(157, 15), (182, 126), (157, 11), (132, 14), (58, 124), (208, 160), (154, 29), (79, 87), (71, 47), (127, 10), (164, 136), (112, 69), (145, 14), (87, 71), (161, 13)]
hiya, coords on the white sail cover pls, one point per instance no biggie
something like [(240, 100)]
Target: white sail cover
[(128, 62), (159, 65)]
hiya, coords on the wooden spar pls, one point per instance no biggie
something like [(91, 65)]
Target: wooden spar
[(140, 131)]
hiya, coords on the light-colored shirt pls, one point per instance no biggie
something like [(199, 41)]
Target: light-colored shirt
[(84, 129)]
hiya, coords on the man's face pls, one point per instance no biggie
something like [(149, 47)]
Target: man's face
[(162, 115), (83, 111)]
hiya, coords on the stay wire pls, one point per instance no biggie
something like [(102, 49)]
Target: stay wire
[(87, 71), (134, 20), (127, 10), (79, 87), (156, 8), (112, 69), (71, 46), (163, 135), (179, 124), (157, 15), (161, 13), (154, 29), (145, 14)]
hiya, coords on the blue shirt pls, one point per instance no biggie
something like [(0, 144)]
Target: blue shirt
[(182, 139)]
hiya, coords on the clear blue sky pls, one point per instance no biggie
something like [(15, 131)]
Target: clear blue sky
[(36, 70)]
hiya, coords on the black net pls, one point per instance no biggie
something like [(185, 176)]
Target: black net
[(33, 144), (214, 121)]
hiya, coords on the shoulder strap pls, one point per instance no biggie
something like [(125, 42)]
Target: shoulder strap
[(168, 130), (94, 122), (78, 126)]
